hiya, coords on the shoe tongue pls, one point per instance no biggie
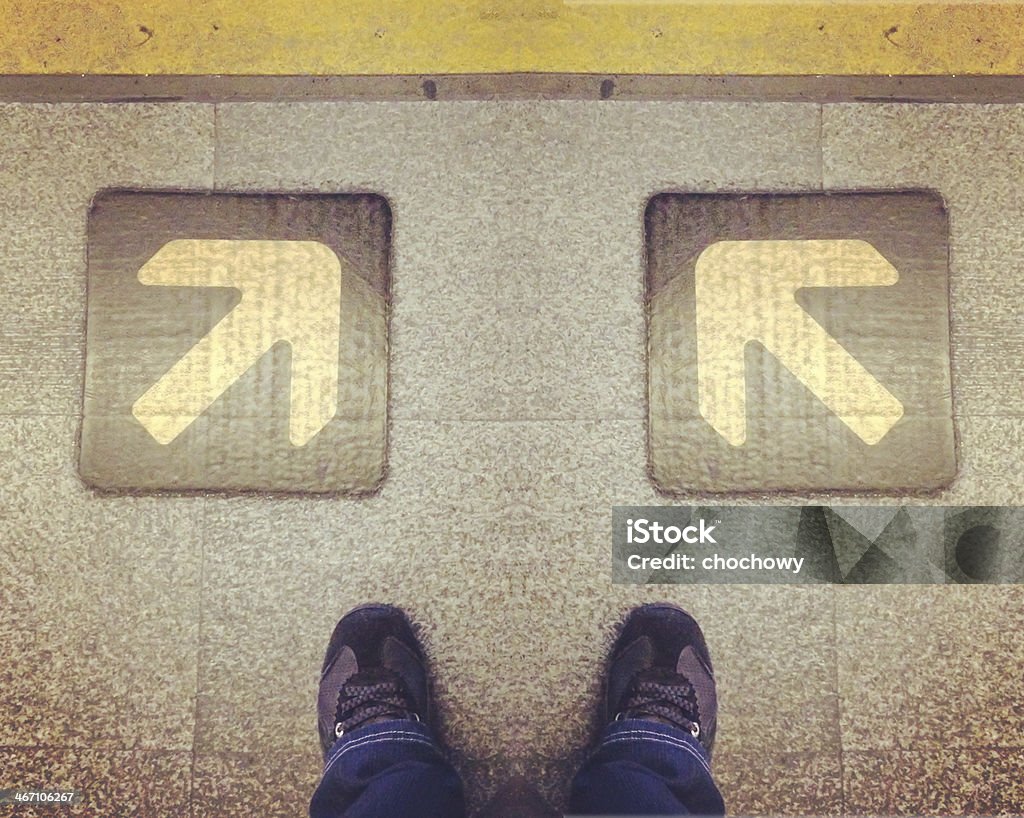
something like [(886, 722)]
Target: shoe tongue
[(373, 676), (660, 675), (370, 696)]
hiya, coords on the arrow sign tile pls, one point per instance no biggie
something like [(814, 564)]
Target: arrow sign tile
[(798, 342), (237, 342)]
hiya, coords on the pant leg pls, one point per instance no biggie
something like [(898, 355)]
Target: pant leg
[(645, 768), (389, 770)]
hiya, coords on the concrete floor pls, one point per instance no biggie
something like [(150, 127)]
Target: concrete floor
[(161, 653)]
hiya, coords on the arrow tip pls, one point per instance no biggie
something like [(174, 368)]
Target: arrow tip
[(873, 428), (728, 418), (162, 427), (301, 433), (735, 435)]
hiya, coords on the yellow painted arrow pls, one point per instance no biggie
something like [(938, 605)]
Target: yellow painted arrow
[(291, 291), (745, 291)]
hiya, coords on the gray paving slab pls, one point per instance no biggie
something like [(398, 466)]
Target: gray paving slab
[(453, 471), (250, 782), (781, 783), (937, 781), (101, 596), (109, 783), (991, 470), (574, 360), (912, 657), (53, 159)]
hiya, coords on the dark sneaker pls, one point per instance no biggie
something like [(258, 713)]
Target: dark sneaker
[(374, 671), (660, 670)]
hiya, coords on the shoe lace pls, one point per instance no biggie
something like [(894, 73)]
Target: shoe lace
[(666, 696), (372, 696)]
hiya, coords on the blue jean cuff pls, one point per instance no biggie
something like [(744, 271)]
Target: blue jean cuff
[(398, 731), (641, 731)]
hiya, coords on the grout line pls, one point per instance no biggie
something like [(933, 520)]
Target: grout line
[(216, 146), (516, 86), (839, 701), (821, 145), (199, 654)]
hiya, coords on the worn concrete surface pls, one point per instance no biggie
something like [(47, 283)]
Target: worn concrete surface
[(179, 638)]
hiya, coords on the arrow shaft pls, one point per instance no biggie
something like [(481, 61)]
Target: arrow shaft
[(314, 390), (838, 379), (205, 373), (721, 378)]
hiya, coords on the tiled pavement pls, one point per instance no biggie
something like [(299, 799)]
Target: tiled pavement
[(160, 653)]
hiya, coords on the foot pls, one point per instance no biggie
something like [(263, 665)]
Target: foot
[(373, 672), (660, 670)]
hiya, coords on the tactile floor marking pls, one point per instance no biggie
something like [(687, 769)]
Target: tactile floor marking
[(799, 342), (236, 342)]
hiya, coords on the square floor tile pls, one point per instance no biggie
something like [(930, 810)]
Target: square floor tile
[(780, 784), (772, 325), (253, 781), (907, 654), (936, 781), (236, 342), (100, 625), (109, 783)]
